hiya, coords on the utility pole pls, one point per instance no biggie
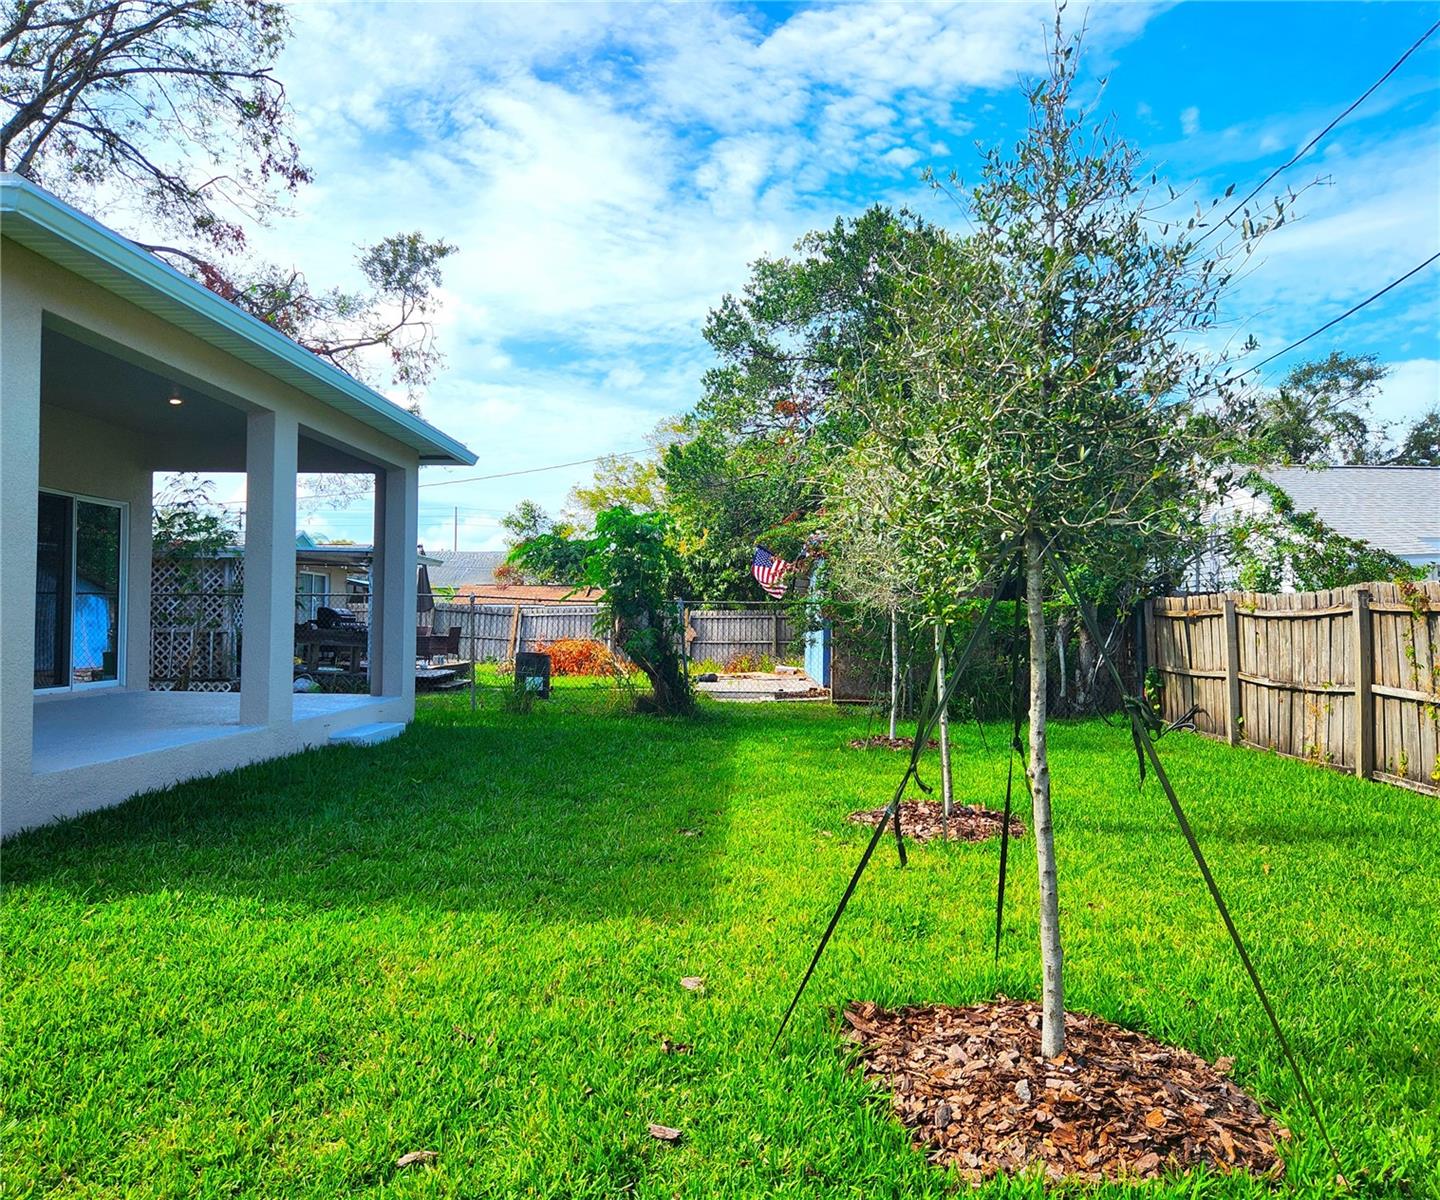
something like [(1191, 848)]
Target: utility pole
[(455, 539)]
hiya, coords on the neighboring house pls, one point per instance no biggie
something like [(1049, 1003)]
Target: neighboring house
[(324, 573), (329, 575), (195, 605), (454, 569), (1392, 508), (113, 366)]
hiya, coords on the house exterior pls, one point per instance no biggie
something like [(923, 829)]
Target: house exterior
[(113, 367), (328, 574), (1392, 508)]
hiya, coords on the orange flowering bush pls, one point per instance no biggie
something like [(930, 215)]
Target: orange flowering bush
[(581, 656)]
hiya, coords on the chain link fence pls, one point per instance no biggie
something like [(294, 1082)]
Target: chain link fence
[(734, 652)]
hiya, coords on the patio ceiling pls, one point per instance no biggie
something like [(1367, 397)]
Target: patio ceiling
[(46, 225), (204, 433)]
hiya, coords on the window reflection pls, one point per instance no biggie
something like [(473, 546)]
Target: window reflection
[(79, 572), (95, 625)]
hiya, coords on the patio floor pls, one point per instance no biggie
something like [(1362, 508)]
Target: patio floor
[(79, 731)]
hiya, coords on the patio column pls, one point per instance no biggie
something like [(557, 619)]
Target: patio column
[(20, 329), (267, 657), (392, 583)]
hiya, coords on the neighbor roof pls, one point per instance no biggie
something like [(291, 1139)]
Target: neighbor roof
[(40, 222), (535, 593), (456, 568), (1394, 508)]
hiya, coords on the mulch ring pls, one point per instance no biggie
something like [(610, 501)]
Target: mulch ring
[(925, 819), (878, 741), (1116, 1105)]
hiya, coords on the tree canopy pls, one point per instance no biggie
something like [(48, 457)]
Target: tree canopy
[(170, 111), (749, 463)]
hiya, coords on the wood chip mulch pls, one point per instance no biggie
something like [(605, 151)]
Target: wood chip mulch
[(878, 741), (972, 1087), (924, 820)]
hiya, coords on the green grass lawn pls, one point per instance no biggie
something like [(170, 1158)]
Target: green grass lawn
[(470, 940)]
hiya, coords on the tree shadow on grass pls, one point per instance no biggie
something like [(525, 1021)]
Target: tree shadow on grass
[(567, 812)]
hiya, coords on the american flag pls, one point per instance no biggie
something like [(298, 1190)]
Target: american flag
[(770, 571)]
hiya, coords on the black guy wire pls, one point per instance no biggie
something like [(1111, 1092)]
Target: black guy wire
[(1145, 745), (1310, 145), (1348, 313)]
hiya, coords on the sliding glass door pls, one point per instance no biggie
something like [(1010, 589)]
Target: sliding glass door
[(79, 592)]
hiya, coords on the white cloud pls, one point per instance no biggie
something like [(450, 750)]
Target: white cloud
[(1190, 121)]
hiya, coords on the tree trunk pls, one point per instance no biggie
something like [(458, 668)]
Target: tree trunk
[(1086, 669), (1052, 1034), (894, 670), (946, 791), (1062, 641)]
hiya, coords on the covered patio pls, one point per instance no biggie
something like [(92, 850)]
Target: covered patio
[(114, 368), (107, 727)]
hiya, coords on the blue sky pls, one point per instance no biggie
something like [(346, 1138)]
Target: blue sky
[(608, 172)]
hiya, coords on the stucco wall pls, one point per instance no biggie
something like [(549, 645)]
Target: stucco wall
[(75, 452), (87, 457)]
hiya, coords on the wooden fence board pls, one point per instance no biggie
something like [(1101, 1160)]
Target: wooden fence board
[(1290, 670), (492, 632)]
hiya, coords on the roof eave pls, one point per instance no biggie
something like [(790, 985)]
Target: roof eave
[(35, 219)]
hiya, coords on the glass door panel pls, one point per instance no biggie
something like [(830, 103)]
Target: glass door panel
[(95, 621), (52, 593)]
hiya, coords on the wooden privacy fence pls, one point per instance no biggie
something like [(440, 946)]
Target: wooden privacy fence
[(721, 635), (1348, 678), (494, 632)]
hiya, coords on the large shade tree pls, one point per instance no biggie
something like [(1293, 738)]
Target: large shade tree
[(1033, 400), (747, 463), (169, 115)]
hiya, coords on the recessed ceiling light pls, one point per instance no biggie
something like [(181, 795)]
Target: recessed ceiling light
[(175, 400)]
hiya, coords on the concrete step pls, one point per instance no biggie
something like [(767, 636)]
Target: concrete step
[(367, 735)]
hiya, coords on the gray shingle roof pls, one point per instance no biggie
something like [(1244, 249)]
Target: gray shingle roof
[(455, 568), (1394, 508)]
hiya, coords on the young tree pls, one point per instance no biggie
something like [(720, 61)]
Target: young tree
[(1033, 394), (172, 109), (631, 556)]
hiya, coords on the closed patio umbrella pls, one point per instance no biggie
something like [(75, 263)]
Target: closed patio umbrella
[(424, 597)]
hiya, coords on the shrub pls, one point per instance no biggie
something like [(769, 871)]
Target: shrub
[(581, 656)]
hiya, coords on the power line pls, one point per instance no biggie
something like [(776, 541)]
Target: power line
[(1348, 313), (1308, 146), (579, 462)]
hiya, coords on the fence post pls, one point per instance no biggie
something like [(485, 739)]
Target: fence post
[(1232, 672), (514, 633), (684, 645), (775, 635), (474, 648), (1364, 663), (1151, 654)]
